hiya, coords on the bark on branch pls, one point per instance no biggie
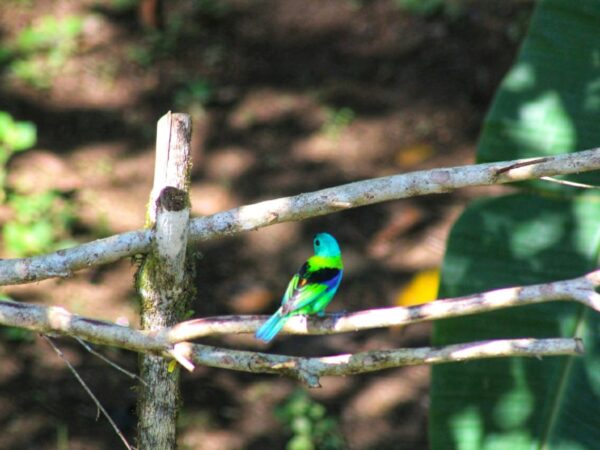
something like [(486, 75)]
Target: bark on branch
[(250, 217), (309, 370), (581, 290), (173, 341), (164, 285)]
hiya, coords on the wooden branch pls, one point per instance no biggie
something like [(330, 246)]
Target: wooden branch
[(309, 370), (578, 289), (62, 263), (57, 320), (383, 189), (326, 201), (173, 341), (162, 281)]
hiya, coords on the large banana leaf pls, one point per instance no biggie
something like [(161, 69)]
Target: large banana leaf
[(548, 103)]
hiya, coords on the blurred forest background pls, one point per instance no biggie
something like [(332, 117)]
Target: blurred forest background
[(286, 97)]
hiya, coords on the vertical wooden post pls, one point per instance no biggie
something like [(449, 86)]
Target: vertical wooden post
[(163, 281)]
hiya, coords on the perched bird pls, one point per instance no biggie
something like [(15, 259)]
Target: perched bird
[(311, 289)]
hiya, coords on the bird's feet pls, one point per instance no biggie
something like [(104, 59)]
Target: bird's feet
[(334, 315)]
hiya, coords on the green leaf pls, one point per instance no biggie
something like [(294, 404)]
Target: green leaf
[(23, 136), (49, 32), (518, 402), (41, 223), (421, 7), (24, 240), (17, 136), (549, 103), (300, 442)]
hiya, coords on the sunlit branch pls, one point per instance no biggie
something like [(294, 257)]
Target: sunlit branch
[(250, 217), (578, 289), (310, 370), (174, 341)]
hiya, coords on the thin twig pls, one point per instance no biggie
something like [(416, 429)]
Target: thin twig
[(570, 183), (88, 390), (250, 217), (518, 165), (108, 361)]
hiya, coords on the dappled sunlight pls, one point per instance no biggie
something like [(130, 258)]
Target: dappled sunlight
[(209, 198), (111, 210), (391, 399), (40, 170), (194, 437), (251, 299), (228, 163), (347, 147), (286, 97), (520, 78), (547, 114), (273, 240), (386, 393), (270, 107)]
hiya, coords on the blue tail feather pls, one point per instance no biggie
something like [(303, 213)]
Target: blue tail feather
[(271, 327)]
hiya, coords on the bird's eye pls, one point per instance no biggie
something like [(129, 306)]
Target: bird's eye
[(317, 242)]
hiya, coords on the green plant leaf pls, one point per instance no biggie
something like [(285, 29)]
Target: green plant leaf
[(41, 223), (40, 51), (312, 428), (518, 402), (549, 103), (22, 137), (16, 136)]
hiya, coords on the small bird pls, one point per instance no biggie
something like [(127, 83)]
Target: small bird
[(311, 289)]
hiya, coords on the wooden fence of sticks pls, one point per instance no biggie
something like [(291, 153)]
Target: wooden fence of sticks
[(166, 287)]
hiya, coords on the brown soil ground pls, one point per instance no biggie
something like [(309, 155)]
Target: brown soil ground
[(416, 88)]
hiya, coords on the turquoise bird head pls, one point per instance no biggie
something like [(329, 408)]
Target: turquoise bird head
[(326, 245)]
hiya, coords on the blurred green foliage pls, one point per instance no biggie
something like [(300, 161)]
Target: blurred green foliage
[(41, 223), (212, 8), (39, 52), (123, 5), (22, 4), (337, 121), (427, 8), (548, 104), (194, 94), (311, 427), (31, 228), (14, 137), (158, 44)]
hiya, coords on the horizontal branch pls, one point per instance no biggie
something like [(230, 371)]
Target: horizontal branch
[(306, 370), (174, 341), (309, 370), (62, 263), (57, 320), (303, 206), (580, 290)]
